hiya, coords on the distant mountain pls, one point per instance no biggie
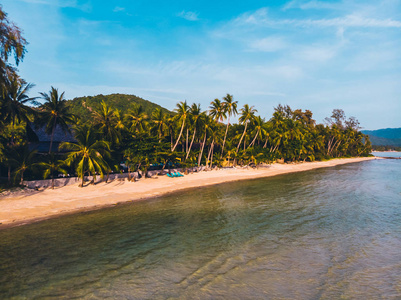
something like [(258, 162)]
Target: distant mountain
[(385, 137), (82, 106)]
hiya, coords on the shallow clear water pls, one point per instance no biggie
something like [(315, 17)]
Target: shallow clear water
[(387, 153), (322, 234)]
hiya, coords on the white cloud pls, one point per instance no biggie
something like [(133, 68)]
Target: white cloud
[(317, 53), (61, 3), (66, 3), (268, 44), (261, 18), (188, 15), (318, 60), (350, 21), (118, 9), (309, 5), (374, 59)]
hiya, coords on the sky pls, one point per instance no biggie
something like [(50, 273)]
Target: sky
[(316, 55)]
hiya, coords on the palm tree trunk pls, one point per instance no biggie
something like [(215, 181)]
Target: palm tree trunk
[(52, 181), (190, 146), (171, 138), (225, 136), (211, 157), (51, 138), (186, 141), (210, 151), (208, 156), (179, 136), (275, 148), (242, 136), (201, 153), (254, 139), (265, 145), (330, 145)]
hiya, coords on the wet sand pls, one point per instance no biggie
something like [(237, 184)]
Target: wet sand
[(18, 209)]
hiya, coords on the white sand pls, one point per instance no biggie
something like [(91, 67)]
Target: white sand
[(26, 208)]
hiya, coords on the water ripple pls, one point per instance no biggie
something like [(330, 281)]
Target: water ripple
[(324, 234)]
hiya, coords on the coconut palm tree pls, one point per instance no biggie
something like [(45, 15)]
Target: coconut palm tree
[(258, 130), (131, 161), (105, 119), (182, 111), (159, 119), (196, 122), (230, 108), (215, 138), (247, 115), (52, 166), (88, 153), (207, 128), (14, 100), (55, 112), (170, 122), (12, 43), (137, 118), (22, 160), (217, 111)]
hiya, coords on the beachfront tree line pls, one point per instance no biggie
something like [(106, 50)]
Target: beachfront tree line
[(186, 137)]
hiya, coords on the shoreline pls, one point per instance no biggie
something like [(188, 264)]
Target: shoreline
[(23, 209)]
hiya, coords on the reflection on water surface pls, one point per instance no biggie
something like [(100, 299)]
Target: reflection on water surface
[(326, 233)]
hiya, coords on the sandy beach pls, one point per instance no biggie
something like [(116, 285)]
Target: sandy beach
[(18, 209)]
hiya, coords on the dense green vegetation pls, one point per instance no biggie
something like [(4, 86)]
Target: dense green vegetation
[(115, 129), (385, 148), (82, 107), (385, 137)]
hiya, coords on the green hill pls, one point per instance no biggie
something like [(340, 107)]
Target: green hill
[(385, 137), (82, 106)]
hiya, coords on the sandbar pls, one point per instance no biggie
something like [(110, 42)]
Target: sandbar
[(20, 209)]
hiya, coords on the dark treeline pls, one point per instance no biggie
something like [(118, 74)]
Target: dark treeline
[(105, 137), (385, 148)]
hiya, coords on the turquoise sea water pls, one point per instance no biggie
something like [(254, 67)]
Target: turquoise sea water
[(387, 154), (323, 234)]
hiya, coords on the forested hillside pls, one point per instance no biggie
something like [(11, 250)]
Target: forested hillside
[(82, 107), (385, 137)]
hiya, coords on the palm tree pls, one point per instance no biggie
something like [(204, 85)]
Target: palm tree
[(196, 121), (55, 113), (106, 120), (138, 118), (207, 123), (182, 111), (131, 161), (14, 102), (259, 125), (247, 115), (217, 110), (88, 153), (170, 122), (23, 160), (52, 166), (230, 108), (12, 44), (160, 122), (214, 137)]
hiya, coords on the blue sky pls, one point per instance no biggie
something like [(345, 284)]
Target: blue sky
[(316, 55)]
